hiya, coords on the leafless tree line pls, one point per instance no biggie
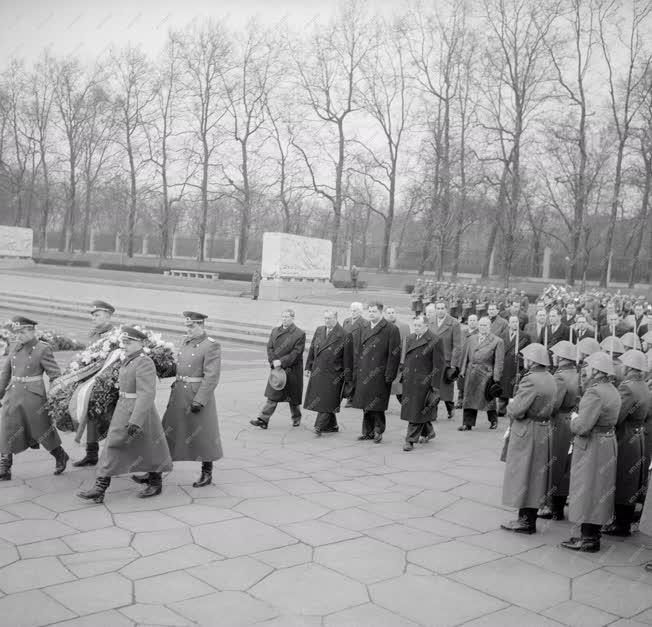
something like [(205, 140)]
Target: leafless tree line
[(529, 121)]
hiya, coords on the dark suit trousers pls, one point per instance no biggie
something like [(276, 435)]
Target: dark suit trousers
[(325, 420), (269, 407), (469, 416), (417, 429), (373, 422)]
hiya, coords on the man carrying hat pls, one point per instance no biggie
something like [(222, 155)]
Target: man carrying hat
[(593, 466), (136, 441), (101, 312), (190, 420), (285, 385), (631, 470), (528, 451), (25, 422)]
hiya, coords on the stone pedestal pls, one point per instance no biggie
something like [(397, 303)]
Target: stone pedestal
[(16, 246), (294, 289)]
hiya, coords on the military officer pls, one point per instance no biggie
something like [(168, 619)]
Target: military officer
[(284, 351), (136, 441), (190, 420), (25, 421), (593, 466), (101, 312), (325, 369), (528, 451), (631, 470), (566, 400)]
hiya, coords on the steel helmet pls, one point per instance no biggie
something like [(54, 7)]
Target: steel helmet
[(630, 340), (565, 350), (600, 361), (588, 346), (635, 359), (612, 344), (537, 353)]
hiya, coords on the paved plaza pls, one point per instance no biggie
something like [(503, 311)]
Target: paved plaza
[(298, 530)]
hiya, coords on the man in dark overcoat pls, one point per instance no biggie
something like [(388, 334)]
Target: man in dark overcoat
[(325, 369), (631, 470), (555, 331), (404, 330), (581, 329), (448, 330), (284, 351), (515, 339), (190, 420), (372, 366), (423, 367), (351, 325)]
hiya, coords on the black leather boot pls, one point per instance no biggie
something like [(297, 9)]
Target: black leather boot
[(621, 525), (154, 486), (526, 523), (142, 479), (96, 493), (61, 458), (92, 451), (5, 466), (206, 475)]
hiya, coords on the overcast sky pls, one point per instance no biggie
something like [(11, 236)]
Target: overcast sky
[(89, 27)]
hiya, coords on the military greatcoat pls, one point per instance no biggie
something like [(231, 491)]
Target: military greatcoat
[(593, 469), (25, 422), (326, 365), (631, 473), (287, 346), (482, 361), (450, 334), (194, 436), (148, 451), (566, 401), (423, 367), (527, 471)]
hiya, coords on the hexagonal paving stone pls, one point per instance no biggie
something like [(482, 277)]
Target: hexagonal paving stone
[(94, 594), (474, 515), (87, 519), (579, 615), (304, 485), (513, 617), (404, 537), (612, 594), (174, 559), (504, 542), (111, 617), (154, 615), (422, 598), (336, 500), (241, 536), (426, 480), (504, 579), (30, 510), (147, 521), (301, 590), (17, 494), (64, 501), (239, 573), (281, 510), (128, 501), (449, 557), (170, 587), (28, 531), (239, 607), (368, 614), (356, 519), (286, 556), (558, 560), (32, 609), (109, 538), (157, 541), (46, 548), (316, 532), (363, 559), (94, 563), (200, 514), (32, 574)]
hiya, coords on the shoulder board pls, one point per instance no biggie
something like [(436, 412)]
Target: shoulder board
[(210, 339)]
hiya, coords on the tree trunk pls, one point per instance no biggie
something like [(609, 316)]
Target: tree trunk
[(615, 199), (131, 222), (87, 217), (491, 243), (204, 202), (642, 220), (246, 207)]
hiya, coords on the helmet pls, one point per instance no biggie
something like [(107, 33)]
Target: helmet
[(587, 346), (635, 359), (565, 350), (600, 361), (630, 340), (536, 353), (612, 344)]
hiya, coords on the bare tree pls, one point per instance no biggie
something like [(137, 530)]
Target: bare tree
[(329, 72), (623, 91), (205, 53)]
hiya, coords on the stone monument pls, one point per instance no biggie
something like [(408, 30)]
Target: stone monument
[(15, 246), (294, 266)]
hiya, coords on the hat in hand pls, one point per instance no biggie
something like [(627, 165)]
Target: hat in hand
[(277, 379)]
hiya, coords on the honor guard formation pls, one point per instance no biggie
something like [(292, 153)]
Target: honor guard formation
[(572, 382)]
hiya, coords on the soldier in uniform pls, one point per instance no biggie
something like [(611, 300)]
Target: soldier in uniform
[(372, 365), (593, 467), (631, 471), (630, 341), (566, 400), (190, 420), (101, 313), (284, 351), (423, 366), (613, 347), (528, 451), (136, 441), (25, 422), (325, 369), (447, 329)]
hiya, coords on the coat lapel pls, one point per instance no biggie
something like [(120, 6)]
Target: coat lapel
[(368, 332), (327, 340), (414, 342)]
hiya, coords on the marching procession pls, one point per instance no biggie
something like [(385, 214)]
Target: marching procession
[(573, 384)]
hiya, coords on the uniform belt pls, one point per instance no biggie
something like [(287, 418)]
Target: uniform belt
[(128, 395), (604, 430), (27, 379), (190, 379), (539, 419)]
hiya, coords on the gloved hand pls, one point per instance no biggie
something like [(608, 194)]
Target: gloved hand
[(133, 430), (349, 389), (195, 408), (432, 400)]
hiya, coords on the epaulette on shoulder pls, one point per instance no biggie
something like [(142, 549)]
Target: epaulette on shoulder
[(211, 339)]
